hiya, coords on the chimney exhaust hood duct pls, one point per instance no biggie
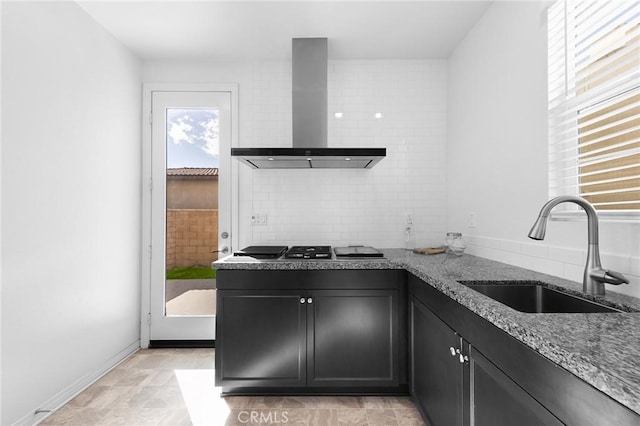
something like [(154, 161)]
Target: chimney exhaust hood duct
[(309, 149)]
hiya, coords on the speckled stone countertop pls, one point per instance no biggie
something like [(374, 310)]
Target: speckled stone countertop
[(603, 349)]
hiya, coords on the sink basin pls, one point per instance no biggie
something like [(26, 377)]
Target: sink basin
[(535, 297)]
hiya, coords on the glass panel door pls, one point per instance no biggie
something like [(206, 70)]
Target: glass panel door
[(191, 134), (192, 145)]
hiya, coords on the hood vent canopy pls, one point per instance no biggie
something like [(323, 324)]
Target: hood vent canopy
[(310, 158), (309, 121)]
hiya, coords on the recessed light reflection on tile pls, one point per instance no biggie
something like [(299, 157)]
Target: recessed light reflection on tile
[(338, 115), (377, 115)]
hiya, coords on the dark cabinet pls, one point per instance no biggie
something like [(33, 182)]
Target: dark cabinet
[(498, 400), (437, 379), (503, 381), (454, 384), (352, 338), (263, 334), (315, 337)]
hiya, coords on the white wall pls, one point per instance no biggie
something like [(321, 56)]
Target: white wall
[(497, 152), (1, 97), (340, 207), (71, 156)]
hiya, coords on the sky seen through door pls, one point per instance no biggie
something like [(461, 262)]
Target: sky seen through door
[(192, 138)]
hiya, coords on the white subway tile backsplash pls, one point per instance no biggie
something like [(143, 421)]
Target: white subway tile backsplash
[(521, 261), (615, 262), (509, 246), (534, 249), (635, 266), (566, 255), (355, 206), (497, 255), (563, 262), (573, 272), (548, 267)]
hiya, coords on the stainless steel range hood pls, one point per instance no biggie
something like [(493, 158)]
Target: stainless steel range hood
[(309, 149)]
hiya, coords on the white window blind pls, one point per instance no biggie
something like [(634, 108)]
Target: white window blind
[(594, 102)]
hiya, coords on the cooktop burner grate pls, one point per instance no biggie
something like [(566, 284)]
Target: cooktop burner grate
[(309, 252)]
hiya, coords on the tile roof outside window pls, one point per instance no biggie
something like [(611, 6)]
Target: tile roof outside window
[(193, 171)]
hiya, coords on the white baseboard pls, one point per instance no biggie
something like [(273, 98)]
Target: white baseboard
[(64, 396)]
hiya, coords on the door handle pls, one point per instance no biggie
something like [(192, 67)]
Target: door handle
[(223, 250)]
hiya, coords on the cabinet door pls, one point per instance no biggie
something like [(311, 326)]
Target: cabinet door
[(352, 338), (497, 400), (261, 338), (437, 374)]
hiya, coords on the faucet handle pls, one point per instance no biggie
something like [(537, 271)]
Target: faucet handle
[(615, 278), (609, 277)]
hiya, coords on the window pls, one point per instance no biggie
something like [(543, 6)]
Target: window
[(594, 103)]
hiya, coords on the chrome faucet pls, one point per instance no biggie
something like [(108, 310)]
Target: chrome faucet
[(594, 276)]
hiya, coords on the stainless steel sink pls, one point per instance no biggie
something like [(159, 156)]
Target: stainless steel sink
[(536, 297)]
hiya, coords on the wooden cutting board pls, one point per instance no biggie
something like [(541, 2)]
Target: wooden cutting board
[(429, 250)]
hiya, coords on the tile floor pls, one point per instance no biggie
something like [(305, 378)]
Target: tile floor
[(176, 387)]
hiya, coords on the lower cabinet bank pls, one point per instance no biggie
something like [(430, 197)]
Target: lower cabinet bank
[(311, 331), (466, 371), (387, 332)]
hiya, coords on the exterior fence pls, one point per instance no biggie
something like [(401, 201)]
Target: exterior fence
[(191, 235)]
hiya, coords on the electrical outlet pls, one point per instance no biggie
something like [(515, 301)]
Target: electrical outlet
[(259, 219), (472, 219), (409, 220)]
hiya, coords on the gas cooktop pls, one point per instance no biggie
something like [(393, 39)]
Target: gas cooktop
[(308, 252)]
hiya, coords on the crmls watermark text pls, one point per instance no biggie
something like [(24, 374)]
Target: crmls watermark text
[(262, 417)]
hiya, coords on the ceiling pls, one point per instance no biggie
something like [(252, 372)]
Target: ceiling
[(260, 30)]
